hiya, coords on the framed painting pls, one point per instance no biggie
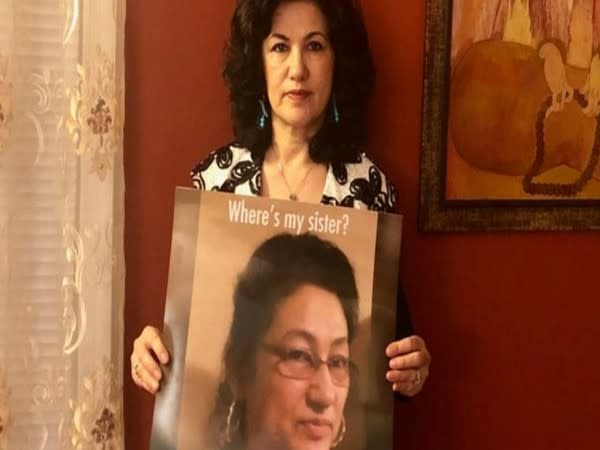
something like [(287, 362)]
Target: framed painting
[(511, 117)]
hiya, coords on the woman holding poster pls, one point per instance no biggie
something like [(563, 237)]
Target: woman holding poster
[(300, 75)]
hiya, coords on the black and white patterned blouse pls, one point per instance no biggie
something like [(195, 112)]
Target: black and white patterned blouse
[(360, 185)]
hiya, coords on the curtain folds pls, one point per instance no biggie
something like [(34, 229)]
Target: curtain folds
[(61, 224)]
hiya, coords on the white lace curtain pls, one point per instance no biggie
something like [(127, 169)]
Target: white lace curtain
[(61, 224)]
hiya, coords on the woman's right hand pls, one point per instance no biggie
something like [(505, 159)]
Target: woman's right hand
[(145, 371)]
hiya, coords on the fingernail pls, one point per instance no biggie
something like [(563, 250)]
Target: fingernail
[(164, 358), (157, 374)]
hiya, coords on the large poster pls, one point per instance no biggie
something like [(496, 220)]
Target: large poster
[(277, 317)]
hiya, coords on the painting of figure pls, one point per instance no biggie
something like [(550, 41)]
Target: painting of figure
[(524, 101)]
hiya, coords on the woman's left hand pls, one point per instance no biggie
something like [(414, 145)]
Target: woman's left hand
[(409, 365)]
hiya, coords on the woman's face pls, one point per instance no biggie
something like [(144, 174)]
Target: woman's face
[(298, 63), (295, 402)]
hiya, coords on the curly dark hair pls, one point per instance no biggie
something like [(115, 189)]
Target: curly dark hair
[(277, 268), (352, 79)]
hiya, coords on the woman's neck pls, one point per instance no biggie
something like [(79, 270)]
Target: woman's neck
[(290, 145), (290, 149), (288, 172)]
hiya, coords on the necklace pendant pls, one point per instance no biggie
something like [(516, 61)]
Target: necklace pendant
[(293, 197)]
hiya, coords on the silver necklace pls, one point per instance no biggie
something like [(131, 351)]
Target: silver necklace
[(293, 193)]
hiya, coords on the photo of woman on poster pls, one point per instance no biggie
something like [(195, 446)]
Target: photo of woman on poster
[(287, 364)]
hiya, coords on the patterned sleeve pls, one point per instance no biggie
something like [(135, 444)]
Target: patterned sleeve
[(385, 195), (391, 203), (208, 173), (371, 186)]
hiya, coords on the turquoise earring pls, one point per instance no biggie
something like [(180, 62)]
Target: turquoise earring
[(336, 112), (264, 114)]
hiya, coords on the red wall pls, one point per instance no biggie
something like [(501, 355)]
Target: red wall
[(510, 318)]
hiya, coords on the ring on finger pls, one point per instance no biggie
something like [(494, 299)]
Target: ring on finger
[(419, 377), (136, 369)]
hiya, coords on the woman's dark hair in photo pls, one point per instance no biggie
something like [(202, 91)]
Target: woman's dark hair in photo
[(277, 268), (353, 79)]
